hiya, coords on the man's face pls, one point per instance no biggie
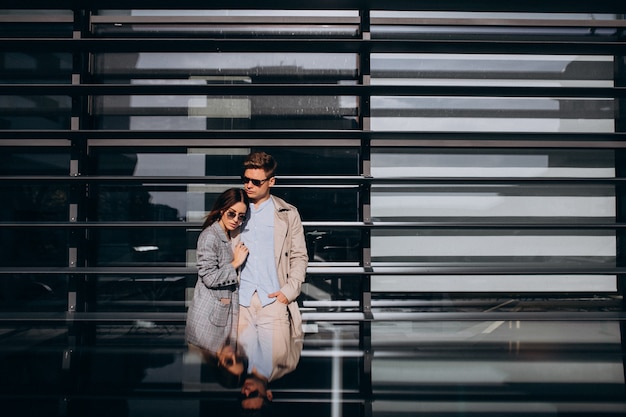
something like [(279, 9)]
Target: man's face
[(254, 394), (261, 190)]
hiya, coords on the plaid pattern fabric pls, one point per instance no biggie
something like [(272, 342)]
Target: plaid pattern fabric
[(210, 322)]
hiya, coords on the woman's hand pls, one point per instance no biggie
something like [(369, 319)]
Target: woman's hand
[(240, 253)]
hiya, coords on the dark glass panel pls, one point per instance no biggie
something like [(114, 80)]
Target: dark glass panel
[(142, 292), (34, 161), (28, 203), (327, 292), (34, 247), (333, 245), (36, 67), (139, 203), (175, 161), (323, 160), (141, 246), (27, 292), (322, 204), (32, 23), (34, 30), (35, 112)]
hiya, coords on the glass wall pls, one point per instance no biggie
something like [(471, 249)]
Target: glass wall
[(428, 152), (459, 174)]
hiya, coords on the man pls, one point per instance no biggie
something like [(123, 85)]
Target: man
[(270, 324)]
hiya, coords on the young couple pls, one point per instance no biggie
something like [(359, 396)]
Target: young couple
[(252, 261)]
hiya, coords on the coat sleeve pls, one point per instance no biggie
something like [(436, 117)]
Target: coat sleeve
[(214, 257), (298, 257)]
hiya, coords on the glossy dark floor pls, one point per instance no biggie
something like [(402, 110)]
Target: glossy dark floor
[(515, 358)]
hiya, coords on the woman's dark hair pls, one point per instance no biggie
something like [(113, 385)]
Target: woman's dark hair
[(224, 201), (229, 380)]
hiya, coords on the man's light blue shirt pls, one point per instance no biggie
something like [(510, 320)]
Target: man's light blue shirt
[(259, 271), (259, 358)]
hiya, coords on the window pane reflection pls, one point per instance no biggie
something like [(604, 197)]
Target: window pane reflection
[(516, 224), (226, 113), (202, 112), (227, 67), (493, 70), (487, 25), (191, 202), (492, 114), (542, 368), (228, 23)]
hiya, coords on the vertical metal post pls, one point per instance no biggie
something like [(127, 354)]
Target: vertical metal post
[(365, 188), (78, 163), (620, 189), (77, 246), (365, 326), (620, 166)]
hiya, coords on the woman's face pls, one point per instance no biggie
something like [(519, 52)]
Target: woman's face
[(228, 360), (233, 216)]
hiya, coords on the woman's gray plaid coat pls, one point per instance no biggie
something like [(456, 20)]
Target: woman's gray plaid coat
[(210, 322)]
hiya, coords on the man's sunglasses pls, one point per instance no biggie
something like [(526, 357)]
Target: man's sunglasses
[(256, 183), (231, 215)]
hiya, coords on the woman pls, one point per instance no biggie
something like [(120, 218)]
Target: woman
[(214, 310)]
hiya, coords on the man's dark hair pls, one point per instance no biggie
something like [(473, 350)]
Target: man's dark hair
[(265, 411), (261, 160)]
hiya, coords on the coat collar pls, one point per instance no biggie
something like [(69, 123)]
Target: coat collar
[(280, 205), (219, 231)]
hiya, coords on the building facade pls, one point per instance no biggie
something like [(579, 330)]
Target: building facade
[(435, 151)]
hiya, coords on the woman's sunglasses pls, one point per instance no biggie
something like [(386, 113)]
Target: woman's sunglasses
[(227, 362), (232, 214)]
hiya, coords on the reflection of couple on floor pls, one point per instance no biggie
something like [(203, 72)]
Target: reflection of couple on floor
[(266, 328)]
